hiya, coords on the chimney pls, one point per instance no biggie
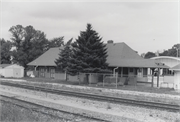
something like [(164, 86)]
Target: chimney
[(110, 41)]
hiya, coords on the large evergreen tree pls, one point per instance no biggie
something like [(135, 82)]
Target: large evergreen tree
[(64, 55), (89, 53)]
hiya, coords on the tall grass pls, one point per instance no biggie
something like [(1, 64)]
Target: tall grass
[(13, 113)]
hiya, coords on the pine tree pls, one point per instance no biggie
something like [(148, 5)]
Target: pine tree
[(62, 61), (89, 53)]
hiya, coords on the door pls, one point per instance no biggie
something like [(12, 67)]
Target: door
[(131, 72), (125, 72)]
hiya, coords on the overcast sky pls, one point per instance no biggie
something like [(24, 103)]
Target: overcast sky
[(144, 26)]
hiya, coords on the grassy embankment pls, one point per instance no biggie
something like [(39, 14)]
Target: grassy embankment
[(13, 113)]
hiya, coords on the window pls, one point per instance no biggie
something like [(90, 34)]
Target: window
[(168, 72), (140, 73), (139, 70), (42, 72), (131, 70)]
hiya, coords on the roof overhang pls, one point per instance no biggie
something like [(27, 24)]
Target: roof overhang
[(137, 63), (176, 68), (33, 64)]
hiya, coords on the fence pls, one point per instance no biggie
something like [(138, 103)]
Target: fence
[(114, 80), (102, 79)]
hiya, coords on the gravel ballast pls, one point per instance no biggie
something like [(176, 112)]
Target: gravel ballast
[(108, 111), (144, 96)]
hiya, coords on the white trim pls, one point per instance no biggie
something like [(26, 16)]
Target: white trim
[(166, 57), (175, 69)]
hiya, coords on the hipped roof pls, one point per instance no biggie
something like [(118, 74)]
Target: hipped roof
[(119, 55), (47, 58), (121, 51)]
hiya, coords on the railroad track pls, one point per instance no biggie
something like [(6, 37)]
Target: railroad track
[(156, 105), (68, 116)]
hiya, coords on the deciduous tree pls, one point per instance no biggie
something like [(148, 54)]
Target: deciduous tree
[(172, 52), (56, 42), (29, 43), (5, 48), (149, 55)]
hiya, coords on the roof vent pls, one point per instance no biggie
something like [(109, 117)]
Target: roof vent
[(110, 41)]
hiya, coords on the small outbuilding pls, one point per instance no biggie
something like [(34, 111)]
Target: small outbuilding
[(176, 70), (11, 70)]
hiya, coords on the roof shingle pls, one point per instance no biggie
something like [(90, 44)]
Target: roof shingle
[(121, 51), (48, 58), (119, 55)]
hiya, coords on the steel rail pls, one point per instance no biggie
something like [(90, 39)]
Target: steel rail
[(157, 105), (38, 106)]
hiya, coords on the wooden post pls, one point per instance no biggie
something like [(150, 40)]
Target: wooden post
[(65, 76), (158, 78), (89, 78), (152, 83), (116, 79), (121, 71), (103, 79)]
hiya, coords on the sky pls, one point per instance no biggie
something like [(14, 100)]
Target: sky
[(144, 25)]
